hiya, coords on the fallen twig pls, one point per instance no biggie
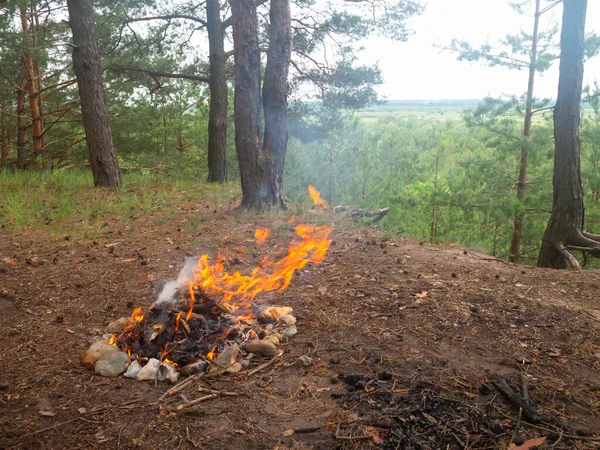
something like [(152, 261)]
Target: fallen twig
[(524, 386), (554, 431), (175, 389), (516, 400), (213, 391), (307, 429), (354, 438), (198, 400), (267, 364)]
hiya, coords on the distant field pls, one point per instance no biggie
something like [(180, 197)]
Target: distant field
[(378, 113), (446, 109)]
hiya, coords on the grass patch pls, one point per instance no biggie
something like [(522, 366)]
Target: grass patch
[(68, 203)]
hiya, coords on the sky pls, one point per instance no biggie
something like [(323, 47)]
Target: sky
[(420, 69)]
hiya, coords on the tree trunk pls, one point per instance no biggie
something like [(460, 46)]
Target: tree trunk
[(251, 158), (21, 128), (275, 97), (96, 122), (217, 115), (515, 245), (564, 232), (3, 140), (30, 87)]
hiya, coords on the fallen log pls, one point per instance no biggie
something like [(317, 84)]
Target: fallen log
[(360, 213)]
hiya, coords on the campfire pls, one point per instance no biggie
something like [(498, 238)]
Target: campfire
[(209, 319)]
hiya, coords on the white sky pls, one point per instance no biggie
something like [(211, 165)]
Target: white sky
[(418, 70)]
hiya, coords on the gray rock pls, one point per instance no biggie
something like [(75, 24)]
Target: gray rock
[(273, 313), (112, 366), (149, 371), (306, 361), (191, 369), (289, 331), (118, 325), (133, 369), (98, 350), (228, 356), (234, 368), (287, 320), (260, 347), (166, 372)]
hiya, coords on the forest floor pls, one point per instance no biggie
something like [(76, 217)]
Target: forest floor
[(404, 339)]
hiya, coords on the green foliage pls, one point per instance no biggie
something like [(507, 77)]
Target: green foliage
[(415, 164)]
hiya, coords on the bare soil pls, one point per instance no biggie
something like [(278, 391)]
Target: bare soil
[(403, 339)]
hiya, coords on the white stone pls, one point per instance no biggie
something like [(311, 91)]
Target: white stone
[(133, 369), (287, 320), (113, 365), (166, 372), (290, 330), (98, 350), (149, 371)]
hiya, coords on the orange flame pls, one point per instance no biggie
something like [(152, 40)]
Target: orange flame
[(112, 340), (316, 197), (211, 355), (137, 315), (177, 319), (261, 234), (269, 275)]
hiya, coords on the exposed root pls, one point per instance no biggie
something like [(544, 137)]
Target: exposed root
[(566, 254)]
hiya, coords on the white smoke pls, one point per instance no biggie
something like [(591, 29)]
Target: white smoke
[(170, 289)]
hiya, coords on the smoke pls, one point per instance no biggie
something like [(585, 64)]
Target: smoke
[(170, 289)]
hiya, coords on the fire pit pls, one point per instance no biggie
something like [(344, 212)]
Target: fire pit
[(208, 320)]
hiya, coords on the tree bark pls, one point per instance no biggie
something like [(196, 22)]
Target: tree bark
[(275, 97), (96, 122), (217, 116), (30, 87), (564, 232), (515, 246), (21, 128), (251, 158), (3, 140)]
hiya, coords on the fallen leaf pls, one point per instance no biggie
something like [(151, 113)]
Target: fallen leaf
[(422, 295), (531, 443), (47, 413), (372, 433), (10, 261), (288, 432), (81, 410), (114, 244), (324, 414), (68, 330)]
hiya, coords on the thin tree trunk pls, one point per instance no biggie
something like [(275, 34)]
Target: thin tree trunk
[(96, 122), (515, 245), (433, 226), (564, 232), (251, 158), (275, 97), (34, 105), (37, 84), (21, 128), (3, 140), (217, 115)]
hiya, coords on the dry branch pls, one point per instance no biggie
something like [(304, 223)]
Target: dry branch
[(516, 400), (357, 213)]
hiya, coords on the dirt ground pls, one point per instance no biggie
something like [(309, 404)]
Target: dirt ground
[(404, 341)]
